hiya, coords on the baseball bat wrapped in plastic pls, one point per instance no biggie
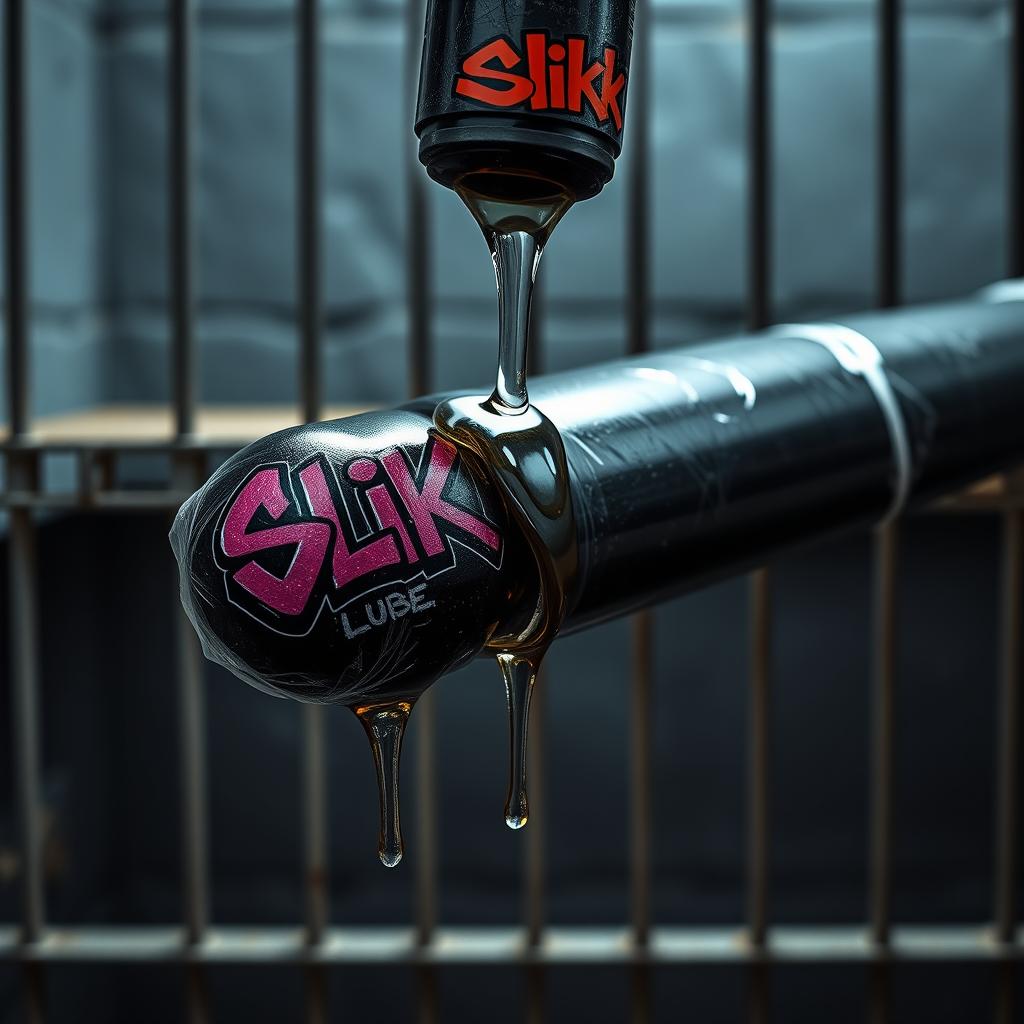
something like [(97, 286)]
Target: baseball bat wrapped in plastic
[(358, 561)]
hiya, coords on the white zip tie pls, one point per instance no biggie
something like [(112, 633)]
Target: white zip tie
[(859, 356)]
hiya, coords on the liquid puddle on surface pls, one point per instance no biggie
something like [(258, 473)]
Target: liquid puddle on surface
[(518, 444)]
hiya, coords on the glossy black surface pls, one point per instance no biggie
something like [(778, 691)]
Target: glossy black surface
[(458, 133), (685, 466), (389, 630)]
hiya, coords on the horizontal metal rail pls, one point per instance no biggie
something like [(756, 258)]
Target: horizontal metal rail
[(466, 946)]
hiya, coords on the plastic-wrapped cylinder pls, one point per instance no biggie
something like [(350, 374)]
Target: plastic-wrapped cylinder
[(357, 561), (350, 562)]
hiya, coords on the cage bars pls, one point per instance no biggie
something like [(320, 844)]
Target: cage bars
[(419, 354), (188, 472), (758, 316), (888, 293), (642, 625), (22, 474), (33, 944), (1008, 710), (309, 295)]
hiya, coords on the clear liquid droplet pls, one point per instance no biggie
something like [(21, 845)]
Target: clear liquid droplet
[(517, 213), (385, 727), (519, 673)]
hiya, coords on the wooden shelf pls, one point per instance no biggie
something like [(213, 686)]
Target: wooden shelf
[(151, 423)]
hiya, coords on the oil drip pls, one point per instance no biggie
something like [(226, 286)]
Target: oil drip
[(385, 726), (518, 444)]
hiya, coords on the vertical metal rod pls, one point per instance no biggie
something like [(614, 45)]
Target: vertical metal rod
[(1008, 719), (888, 270), (1008, 715), (419, 352), (194, 812), (24, 663), (884, 672), (640, 807), (1015, 176), (181, 112), (22, 473), (418, 245), (16, 254), (309, 293), (759, 150), (426, 817), (314, 790), (181, 93), (759, 306), (640, 778), (193, 781), (308, 174), (535, 897), (638, 284), (760, 653), (535, 849), (637, 198), (889, 153)]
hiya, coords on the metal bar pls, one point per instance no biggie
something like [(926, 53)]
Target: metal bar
[(426, 817), (759, 160), (1015, 175), (1007, 825), (192, 740), (535, 849), (884, 645), (22, 472), (310, 237), (637, 197), (181, 92), (193, 758), (309, 286), (314, 790), (417, 239), (888, 269), (759, 305), (466, 946), (889, 154), (1008, 723), (640, 786), (760, 653), (187, 473), (419, 349), (640, 777), (16, 255), (638, 284), (535, 895), (25, 723)]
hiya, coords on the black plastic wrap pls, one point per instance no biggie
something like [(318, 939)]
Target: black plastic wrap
[(685, 466), (694, 463)]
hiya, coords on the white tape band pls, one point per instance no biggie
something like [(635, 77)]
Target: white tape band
[(858, 355)]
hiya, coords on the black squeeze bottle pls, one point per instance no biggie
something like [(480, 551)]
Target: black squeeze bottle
[(530, 88)]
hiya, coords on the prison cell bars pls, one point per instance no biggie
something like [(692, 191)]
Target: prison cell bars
[(34, 944), (888, 264), (22, 471), (1008, 707), (309, 292), (419, 350), (642, 679)]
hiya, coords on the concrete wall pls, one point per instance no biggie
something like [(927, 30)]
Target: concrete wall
[(99, 209)]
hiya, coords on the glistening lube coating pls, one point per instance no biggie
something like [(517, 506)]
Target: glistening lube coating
[(350, 563), (521, 110)]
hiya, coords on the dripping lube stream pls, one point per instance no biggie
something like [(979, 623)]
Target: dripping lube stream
[(524, 452), (517, 442)]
